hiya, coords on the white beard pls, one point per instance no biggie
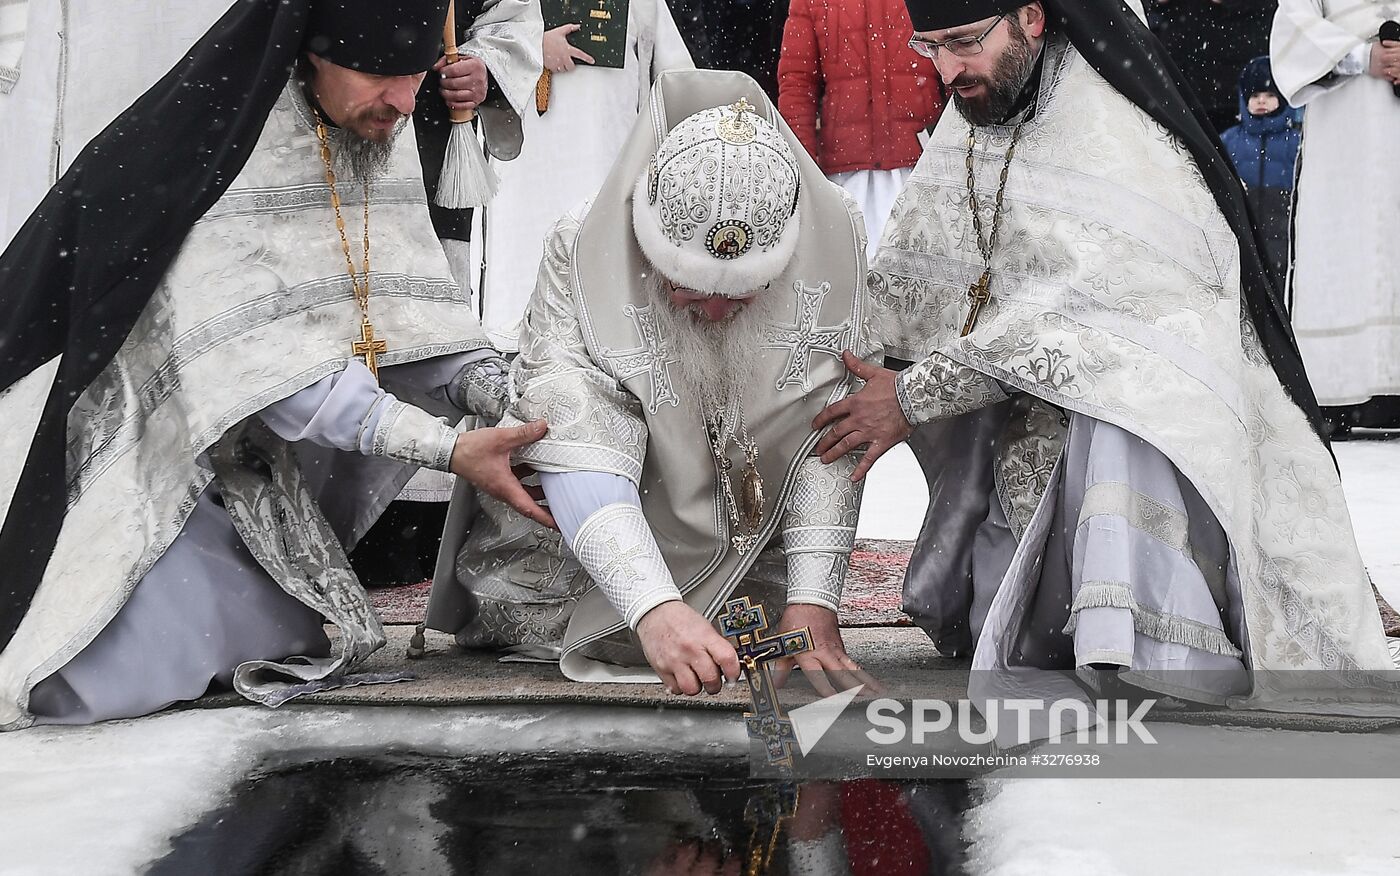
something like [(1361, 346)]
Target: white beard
[(714, 362)]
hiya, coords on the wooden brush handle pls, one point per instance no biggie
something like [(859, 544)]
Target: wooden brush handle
[(449, 46)]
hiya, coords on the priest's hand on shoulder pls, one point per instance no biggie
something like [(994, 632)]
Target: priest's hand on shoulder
[(482, 456), (686, 650), (827, 666), (463, 85), (870, 417)]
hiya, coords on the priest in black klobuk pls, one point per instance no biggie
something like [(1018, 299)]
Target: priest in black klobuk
[(258, 341)]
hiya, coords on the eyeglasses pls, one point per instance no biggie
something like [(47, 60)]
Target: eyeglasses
[(963, 47)]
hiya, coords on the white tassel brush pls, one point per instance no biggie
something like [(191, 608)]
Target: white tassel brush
[(467, 180)]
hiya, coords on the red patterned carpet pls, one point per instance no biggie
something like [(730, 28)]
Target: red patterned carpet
[(871, 597)]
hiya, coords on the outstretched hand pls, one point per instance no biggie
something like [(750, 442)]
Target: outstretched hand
[(870, 417), (686, 650), (482, 456), (827, 666)]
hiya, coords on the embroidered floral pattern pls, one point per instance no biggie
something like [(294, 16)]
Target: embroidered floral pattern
[(938, 387), (1034, 439)]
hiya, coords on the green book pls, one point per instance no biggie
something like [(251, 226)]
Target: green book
[(602, 25)]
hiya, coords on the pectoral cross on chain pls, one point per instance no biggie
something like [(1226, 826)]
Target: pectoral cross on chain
[(745, 624), (978, 294), (370, 347)]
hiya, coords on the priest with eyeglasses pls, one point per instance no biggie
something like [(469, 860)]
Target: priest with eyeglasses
[(1129, 480)]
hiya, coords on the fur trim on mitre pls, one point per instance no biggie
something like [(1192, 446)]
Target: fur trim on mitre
[(694, 268)]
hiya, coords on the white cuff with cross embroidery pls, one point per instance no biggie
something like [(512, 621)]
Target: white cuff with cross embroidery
[(616, 548), (410, 434)]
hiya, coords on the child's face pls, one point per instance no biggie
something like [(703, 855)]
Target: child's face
[(1261, 103)]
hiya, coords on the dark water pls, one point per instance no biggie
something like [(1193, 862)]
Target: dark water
[(356, 816)]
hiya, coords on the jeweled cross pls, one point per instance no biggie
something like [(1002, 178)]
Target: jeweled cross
[(370, 347), (805, 338), (653, 357), (745, 623), (767, 723)]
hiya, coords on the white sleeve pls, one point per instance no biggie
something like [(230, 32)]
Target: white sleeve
[(332, 412), (349, 411), (600, 516), (819, 530), (937, 387), (1356, 61), (508, 36)]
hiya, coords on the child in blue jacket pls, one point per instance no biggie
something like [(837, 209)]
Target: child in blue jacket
[(1264, 148)]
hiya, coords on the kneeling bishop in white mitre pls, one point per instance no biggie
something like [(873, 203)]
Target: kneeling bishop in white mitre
[(680, 357)]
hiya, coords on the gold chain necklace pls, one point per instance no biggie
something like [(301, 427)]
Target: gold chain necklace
[(979, 293), (368, 346), (744, 522)]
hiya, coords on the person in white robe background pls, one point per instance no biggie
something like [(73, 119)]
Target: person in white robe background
[(1329, 59), (244, 435), (567, 152)]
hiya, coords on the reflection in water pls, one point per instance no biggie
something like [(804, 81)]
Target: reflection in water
[(349, 817)]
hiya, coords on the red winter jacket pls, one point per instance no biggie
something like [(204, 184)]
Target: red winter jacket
[(876, 93)]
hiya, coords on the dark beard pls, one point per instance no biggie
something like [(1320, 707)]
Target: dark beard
[(1009, 77), (366, 160), (363, 159)]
